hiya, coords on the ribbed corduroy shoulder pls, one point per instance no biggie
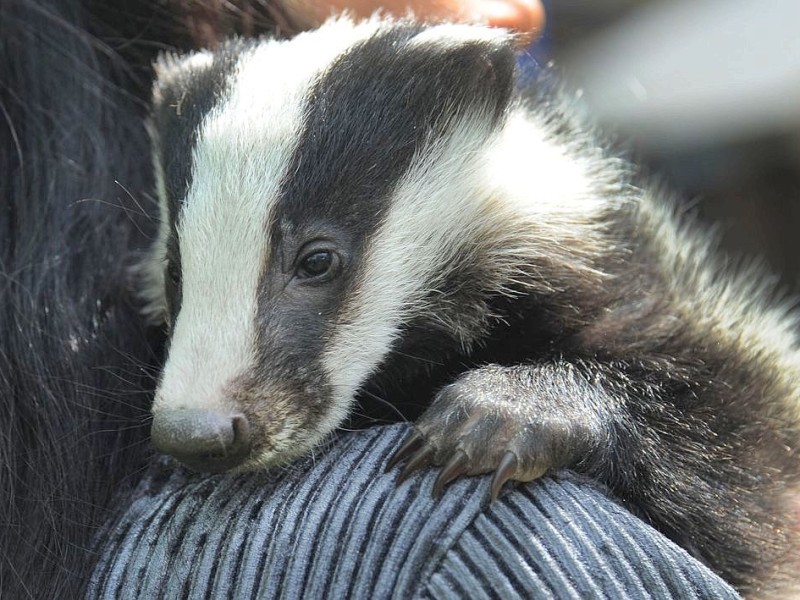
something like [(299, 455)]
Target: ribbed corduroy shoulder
[(337, 526)]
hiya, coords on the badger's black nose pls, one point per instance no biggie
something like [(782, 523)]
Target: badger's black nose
[(203, 440)]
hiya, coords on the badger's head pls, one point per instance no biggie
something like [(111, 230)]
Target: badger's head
[(317, 197)]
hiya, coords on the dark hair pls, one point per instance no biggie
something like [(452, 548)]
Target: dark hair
[(76, 363)]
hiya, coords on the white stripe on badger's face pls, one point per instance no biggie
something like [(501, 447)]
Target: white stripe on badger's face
[(152, 271), (512, 191), (243, 149), (436, 206)]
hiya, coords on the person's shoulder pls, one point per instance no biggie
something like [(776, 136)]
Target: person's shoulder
[(338, 525)]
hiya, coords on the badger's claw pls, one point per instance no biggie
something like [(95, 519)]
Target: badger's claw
[(421, 459), (489, 421), (412, 443), (458, 465), (505, 471)]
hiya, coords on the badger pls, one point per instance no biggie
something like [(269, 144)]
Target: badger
[(387, 209)]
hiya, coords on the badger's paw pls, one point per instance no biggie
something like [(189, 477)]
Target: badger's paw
[(506, 420)]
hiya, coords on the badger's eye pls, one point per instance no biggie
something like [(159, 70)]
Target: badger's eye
[(319, 264)]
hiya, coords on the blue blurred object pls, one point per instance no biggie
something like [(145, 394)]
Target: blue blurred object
[(531, 61)]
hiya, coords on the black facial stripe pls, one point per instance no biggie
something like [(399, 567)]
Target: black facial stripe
[(373, 109)]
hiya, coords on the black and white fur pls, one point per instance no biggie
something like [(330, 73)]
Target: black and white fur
[(378, 206)]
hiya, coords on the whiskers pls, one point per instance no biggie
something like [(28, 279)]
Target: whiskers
[(369, 416)]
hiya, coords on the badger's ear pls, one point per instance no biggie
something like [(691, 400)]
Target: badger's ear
[(185, 90), (173, 72), (187, 86), (475, 64)]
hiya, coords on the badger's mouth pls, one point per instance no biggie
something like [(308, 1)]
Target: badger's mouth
[(216, 440)]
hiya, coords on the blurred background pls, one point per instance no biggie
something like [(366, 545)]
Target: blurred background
[(707, 96)]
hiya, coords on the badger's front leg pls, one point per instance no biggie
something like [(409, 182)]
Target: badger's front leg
[(518, 422)]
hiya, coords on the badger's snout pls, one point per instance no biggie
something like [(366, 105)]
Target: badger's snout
[(204, 440)]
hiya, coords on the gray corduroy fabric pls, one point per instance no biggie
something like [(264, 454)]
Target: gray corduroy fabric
[(336, 526)]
